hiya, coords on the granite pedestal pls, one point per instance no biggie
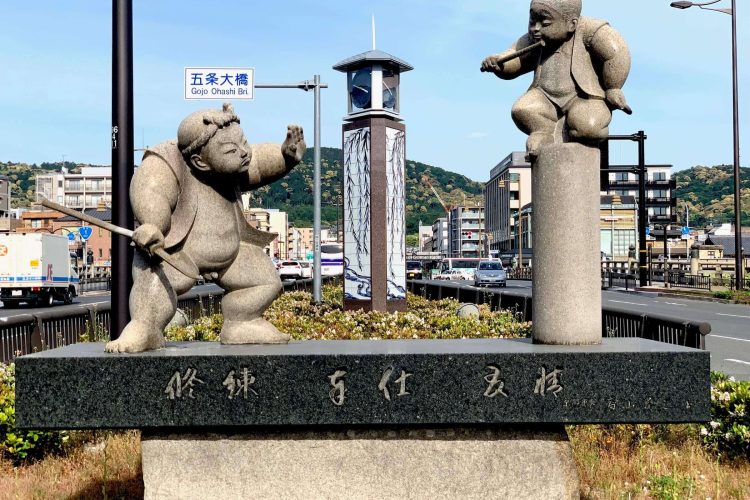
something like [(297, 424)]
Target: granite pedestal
[(361, 419), (567, 259), (345, 383)]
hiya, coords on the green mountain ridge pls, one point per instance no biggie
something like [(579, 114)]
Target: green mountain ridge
[(707, 191), (294, 193)]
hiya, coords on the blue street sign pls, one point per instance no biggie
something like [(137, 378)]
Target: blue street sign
[(85, 232), (648, 230), (685, 230), (71, 236)]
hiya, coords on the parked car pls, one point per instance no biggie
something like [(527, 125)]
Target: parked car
[(290, 270), (414, 270), (490, 272), (451, 274)]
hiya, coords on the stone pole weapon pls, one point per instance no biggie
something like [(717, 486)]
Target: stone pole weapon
[(175, 260), (519, 53)]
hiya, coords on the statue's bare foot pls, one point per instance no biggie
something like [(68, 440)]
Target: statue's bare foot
[(136, 337), (535, 142), (257, 331)]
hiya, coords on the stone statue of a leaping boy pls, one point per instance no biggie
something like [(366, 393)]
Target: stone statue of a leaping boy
[(185, 195)]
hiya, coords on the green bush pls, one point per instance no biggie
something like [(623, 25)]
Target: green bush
[(205, 329), (738, 297), (728, 432), (296, 314), (19, 445)]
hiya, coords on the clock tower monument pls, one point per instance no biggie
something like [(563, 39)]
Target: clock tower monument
[(374, 140)]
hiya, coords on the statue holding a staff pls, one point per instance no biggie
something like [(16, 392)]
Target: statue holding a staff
[(580, 66)]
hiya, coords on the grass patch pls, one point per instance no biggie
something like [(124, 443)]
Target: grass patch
[(653, 461), (96, 465)]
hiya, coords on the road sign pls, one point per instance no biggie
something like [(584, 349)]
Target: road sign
[(85, 232), (648, 231), (71, 236), (685, 230), (219, 83)]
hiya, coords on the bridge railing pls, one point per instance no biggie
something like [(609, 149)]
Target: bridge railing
[(615, 322), (56, 327)]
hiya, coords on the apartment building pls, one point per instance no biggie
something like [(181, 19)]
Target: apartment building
[(465, 232), (274, 221), (508, 189), (78, 191), (661, 203), (439, 243)]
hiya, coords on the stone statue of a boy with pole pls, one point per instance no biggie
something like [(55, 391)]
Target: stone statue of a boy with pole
[(580, 66), (185, 195)]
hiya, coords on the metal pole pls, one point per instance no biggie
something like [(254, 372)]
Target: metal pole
[(642, 274), (122, 160), (317, 292), (520, 224), (736, 125), (315, 85)]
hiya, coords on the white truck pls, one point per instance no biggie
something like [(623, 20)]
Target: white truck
[(36, 268)]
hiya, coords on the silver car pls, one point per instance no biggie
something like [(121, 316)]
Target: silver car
[(489, 273)]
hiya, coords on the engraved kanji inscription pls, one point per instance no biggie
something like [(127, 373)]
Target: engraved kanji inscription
[(548, 382), (338, 391), (400, 381), (496, 384), (182, 385), (239, 385)]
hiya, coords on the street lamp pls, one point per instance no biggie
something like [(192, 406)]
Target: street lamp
[(737, 208)]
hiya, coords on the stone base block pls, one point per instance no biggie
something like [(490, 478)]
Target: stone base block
[(452, 463)]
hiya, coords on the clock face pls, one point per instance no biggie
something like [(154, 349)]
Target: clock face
[(390, 90), (361, 89)]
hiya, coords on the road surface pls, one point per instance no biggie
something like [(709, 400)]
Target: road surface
[(728, 342)]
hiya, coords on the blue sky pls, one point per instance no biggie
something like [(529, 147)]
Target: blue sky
[(55, 70)]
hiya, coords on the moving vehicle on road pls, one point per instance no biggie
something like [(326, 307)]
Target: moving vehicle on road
[(36, 268), (490, 272), (467, 266), (306, 269), (414, 270), (290, 270), (451, 274), (332, 259)]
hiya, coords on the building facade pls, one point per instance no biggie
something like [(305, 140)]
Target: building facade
[(661, 203), (466, 232), (508, 189), (439, 242), (77, 191), (618, 216)]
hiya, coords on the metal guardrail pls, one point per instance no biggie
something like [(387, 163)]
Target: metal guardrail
[(684, 280), (520, 273), (56, 327), (96, 284), (619, 279), (615, 322)]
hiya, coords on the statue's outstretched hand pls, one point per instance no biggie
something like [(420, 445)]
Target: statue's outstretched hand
[(148, 237), (616, 100), (294, 146), (490, 64)]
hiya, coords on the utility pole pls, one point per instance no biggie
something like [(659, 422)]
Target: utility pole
[(122, 161), (639, 137)]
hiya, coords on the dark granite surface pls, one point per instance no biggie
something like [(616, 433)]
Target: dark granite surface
[(384, 382)]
